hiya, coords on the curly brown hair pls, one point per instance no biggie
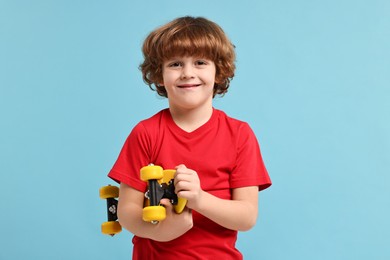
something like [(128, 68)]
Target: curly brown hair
[(188, 36)]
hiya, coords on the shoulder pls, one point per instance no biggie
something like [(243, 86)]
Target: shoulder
[(145, 132), (240, 131), (149, 127), (232, 123), (153, 121)]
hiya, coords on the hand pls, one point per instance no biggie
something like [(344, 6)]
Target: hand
[(177, 224), (187, 185)]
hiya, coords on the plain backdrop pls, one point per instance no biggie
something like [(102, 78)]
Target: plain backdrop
[(312, 80)]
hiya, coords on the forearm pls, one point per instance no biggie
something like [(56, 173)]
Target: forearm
[(236, 214), (239, 213), (130, 217)]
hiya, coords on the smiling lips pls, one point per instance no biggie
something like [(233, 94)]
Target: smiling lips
[(189, 85)]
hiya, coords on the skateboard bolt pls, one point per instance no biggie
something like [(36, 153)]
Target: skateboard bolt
[(112, 209)]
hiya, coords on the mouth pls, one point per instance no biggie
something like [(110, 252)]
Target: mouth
[(188, 85)]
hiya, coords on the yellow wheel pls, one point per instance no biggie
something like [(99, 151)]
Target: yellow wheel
[(151, 172), (153, 213), (109, 192), (179, 207), (111, 228)]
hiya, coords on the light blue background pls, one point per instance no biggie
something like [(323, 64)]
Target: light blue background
[(312, 80)]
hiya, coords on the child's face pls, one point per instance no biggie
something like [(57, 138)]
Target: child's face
[(189, 81)]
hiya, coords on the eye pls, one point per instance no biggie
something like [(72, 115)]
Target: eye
[(175, 64), (201, 62)]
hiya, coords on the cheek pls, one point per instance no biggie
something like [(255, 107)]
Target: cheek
[(168, 78), (212, 77)]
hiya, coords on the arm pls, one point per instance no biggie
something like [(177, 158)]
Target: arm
[(130, 217), (240, 213)]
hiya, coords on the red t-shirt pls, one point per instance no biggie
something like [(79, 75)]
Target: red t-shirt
[(225, 154)]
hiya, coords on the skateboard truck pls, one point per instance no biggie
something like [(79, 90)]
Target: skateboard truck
[(161, 191), (160, 186)]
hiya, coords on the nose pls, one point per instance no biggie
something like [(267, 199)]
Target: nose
[(187, 72)]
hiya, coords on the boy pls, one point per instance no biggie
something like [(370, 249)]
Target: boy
[(219, 169)]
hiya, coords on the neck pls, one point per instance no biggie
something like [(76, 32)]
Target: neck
[(191, 119)]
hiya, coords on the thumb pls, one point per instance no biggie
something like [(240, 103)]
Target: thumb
[(166, 203)]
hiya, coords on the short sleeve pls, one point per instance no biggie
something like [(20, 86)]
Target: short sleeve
[(249, 169), (133, 156)]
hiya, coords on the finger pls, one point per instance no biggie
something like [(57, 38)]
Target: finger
[(185, 194), (179, 170), (180, 166), (185, 173), (166, 203), (183, 185), (183, 177)]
